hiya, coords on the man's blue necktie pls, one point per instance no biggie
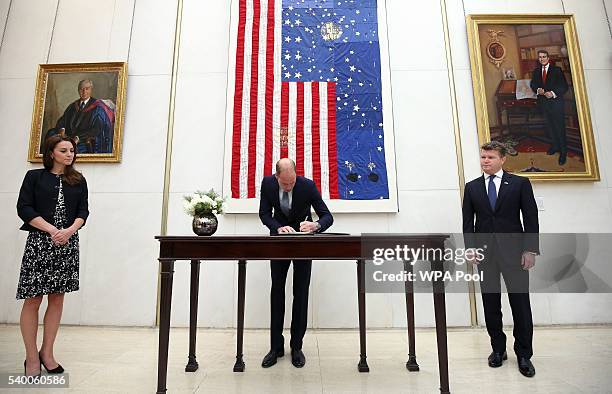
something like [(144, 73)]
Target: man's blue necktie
[(492, 192)]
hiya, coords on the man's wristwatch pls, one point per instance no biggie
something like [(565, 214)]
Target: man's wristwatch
[(318, 226), (533, 253)]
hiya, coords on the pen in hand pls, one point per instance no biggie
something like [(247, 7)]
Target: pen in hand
[(308, 227)]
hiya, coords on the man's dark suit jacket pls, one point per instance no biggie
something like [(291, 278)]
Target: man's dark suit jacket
[(305, 195), (515, 196), (80, 123), (555, 81), (38, 197)]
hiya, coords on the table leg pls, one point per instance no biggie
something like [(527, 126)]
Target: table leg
[(411, 364), (440, 314), (166, 274), (192, 364), (363, 364), (239, 365)]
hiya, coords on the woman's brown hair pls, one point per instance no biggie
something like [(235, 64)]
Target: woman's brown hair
[(71, 176)]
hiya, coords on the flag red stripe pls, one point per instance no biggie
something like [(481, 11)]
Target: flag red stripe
[(267, 168), (331, 141), (284, 148), (238, 101), (316, 160), (299, 138), (254, 90), (240, 114)]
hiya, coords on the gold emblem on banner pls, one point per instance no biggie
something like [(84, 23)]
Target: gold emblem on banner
[(331, 31)]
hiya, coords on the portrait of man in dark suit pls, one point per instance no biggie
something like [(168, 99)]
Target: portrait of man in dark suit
[(285, 208), (88, 120), (492, 208), (549, 84), (82, 101), (540, 110)]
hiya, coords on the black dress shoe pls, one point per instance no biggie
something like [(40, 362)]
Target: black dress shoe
[(297, 358), (270, 358), (562, 159), (497, 359), (55, 370), (551, 151), (526, 368)]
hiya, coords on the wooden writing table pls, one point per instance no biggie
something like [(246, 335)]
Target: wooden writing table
[(316, 247)]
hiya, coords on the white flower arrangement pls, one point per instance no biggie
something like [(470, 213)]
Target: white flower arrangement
[(199, 203)]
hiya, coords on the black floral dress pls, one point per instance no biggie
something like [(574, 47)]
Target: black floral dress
[(45, 267)]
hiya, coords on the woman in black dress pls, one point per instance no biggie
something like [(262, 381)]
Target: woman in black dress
[(53, 206)]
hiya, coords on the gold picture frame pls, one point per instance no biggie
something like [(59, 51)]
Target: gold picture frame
[(515, 112), (61, 108)]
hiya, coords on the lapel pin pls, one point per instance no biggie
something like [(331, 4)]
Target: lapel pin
[(505, 183)]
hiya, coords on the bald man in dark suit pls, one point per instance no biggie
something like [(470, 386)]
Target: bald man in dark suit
[(285, 207)]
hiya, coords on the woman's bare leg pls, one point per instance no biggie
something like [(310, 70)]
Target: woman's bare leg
[(53, 315), (28, 322)]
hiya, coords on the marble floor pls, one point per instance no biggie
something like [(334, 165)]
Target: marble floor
[(123, 360)]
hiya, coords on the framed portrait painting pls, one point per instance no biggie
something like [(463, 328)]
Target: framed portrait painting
[(530, 94), (84, 101)]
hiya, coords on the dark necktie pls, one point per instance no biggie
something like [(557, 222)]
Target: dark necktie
[(492, 192), (284, 203), (82, 105)]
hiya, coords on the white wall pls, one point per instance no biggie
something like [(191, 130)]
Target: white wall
[(118, 268)]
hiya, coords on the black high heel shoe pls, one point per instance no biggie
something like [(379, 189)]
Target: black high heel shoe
[(25, 371), (55, 370)]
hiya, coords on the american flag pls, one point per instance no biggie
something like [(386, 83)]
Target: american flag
[(308, 87)]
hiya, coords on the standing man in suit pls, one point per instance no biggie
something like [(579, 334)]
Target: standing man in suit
[(286, 200), (549, 84), (492, 205)]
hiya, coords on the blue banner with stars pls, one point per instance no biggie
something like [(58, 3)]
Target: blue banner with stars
[(336, 41)]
